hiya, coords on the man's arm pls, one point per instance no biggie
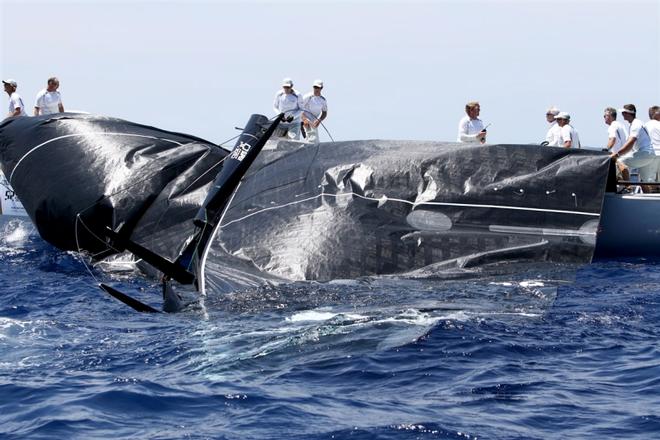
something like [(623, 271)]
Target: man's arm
[(60, 106), (626, 147), (611, 140), (463, 135), (306, 114), (565, 133), (324, 114), (38, 104), (17, 112), (632, 138)]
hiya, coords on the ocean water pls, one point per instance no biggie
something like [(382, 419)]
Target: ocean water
[(379, 359)]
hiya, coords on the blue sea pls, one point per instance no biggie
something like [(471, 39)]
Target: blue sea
[(361, 359)]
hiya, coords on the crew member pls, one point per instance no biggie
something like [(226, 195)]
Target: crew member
[(616, 131), (637, 151), (289, 102), (470, 127), (315, 110), (568, 135), (49, 100), (552, 136), (16, 107)]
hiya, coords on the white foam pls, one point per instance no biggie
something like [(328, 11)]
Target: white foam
[(532, 284), (15, 232), (10, 328), (316, 315)]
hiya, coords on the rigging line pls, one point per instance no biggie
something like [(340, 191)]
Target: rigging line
[(414, 204), (229, 140), (326, 130), (320, 122), (80, 255), (102, 240)]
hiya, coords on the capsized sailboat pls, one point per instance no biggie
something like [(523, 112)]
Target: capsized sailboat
[(217, 221)]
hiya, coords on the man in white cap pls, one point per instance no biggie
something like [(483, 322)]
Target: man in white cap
[(568, 135), (470, 127), (616, 131), (315, 110), (289, 102), (637, 151), (552, 136), (49, 100), (16, 107)]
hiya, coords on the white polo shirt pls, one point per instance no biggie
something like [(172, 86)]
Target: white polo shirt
[(552, 136), (653, 128), (568, 133), (288, 103), (468, 129), (617, 131), (48, 102), (15, 101), (314, 105), (643, 142)]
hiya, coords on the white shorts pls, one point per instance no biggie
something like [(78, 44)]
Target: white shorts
[(656, 167), (644, 161)]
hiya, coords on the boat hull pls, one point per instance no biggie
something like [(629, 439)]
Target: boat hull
[(629, 226)]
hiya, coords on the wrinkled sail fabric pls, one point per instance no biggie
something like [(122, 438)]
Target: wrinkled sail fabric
[(76, 174), (352, 209)]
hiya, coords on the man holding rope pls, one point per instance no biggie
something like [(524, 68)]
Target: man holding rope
[(315, 110)]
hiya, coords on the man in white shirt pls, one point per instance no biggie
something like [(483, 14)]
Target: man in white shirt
[(653, 129), (568, 136), (552, 136), (49, 100), (16, 107), (289, 102), (637, 151), (470, 127), (616, 131), (315, 110)]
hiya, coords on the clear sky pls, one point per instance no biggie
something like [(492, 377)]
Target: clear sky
[(392, 70)]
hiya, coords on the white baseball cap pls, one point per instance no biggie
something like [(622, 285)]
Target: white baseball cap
[(318, 83), (11, 82), (287, 82), (625, 110), (563, 115), (553, 111)]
